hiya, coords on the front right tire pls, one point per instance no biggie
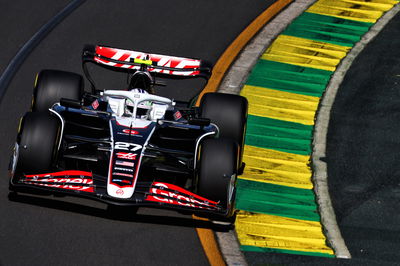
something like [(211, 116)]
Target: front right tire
[(38, 143)]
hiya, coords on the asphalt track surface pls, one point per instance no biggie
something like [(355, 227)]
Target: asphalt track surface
[(363, 151), (65, 231)]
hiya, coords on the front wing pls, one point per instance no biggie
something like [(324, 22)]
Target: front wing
[(85, 184)]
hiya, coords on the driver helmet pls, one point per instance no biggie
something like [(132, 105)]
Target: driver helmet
[(142, 109)]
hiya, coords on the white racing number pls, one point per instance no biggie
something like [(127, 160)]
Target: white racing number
[(127, 146)]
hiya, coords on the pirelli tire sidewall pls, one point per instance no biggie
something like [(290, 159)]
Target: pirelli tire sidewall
[(52, 85), (217, 171), (38, 141), (229, 113)]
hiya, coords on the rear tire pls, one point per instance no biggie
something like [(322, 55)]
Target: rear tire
[(217, 169), (229, 113), (38, 142), (52, 85)]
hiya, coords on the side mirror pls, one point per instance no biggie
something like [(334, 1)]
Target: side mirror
[(70, 103), (203, 122)]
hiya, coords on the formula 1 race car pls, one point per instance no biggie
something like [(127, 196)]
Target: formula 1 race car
[(129, 146)]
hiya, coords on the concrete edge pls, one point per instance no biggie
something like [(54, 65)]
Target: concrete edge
[(249, 56), (320, 176), (233, 83)]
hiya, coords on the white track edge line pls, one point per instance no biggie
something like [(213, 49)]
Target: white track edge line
[(320, 176)]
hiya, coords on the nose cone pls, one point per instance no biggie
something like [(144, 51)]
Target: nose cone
[(119, 192)]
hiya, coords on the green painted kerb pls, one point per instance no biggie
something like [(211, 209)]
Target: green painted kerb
[(278, 135), (286, 251), (328, 29), (289, 78), (278, 200)]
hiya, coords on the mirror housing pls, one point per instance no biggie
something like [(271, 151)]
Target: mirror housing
[(199, 121), (70, 103)]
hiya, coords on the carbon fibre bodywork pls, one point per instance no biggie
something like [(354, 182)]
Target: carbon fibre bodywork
[(127, 147), (104, 157)]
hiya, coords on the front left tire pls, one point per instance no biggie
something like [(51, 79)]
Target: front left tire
[(52, 85), (229, 113), (217, 171)]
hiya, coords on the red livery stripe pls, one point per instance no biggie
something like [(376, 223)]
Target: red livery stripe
[(171, 194), (63, 173)]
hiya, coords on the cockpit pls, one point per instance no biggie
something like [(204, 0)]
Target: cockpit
[(138, 105)]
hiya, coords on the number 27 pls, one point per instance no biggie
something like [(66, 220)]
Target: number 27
[(127, 146)]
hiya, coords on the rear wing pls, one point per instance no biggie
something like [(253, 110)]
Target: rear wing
[(132, 60)]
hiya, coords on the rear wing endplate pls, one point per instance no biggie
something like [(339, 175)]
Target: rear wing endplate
[(132, 60)]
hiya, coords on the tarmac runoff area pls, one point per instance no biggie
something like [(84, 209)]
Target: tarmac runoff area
[(233, 83)]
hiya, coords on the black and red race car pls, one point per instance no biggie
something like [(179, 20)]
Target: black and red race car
[(130, 146)]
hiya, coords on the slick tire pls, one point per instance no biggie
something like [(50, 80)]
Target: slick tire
[(52, 85), (217, 169), (38, 142), (229, 113)]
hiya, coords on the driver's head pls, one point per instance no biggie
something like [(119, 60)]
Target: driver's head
[(142, 109)]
